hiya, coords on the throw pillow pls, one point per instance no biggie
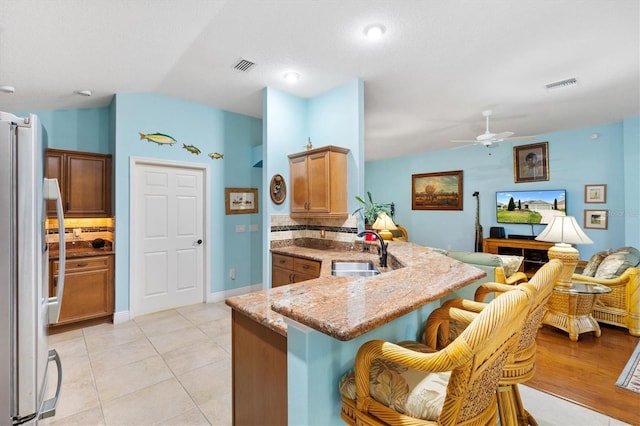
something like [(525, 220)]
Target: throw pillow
[(594, 262), (617, 262)]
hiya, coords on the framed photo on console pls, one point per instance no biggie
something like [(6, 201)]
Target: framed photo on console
[(596, 219), (595, 193), (531, 162)]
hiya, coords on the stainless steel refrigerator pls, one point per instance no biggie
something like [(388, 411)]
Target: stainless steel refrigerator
[(26, 308)]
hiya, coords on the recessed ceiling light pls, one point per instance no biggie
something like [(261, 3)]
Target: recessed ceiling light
[(84, 92), (291, 77), (374, 31), (7, 89)]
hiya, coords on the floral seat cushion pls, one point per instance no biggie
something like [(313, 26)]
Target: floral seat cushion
[(405, 390)]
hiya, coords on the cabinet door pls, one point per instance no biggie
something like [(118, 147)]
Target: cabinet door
[(318, 183), (280, 276), (88, 186), (88, 291), (53, 169), (299, 184)]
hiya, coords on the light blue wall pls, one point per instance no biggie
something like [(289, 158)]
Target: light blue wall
[(76, 129), (211, 130), (333, 118), (575, 159), (631, 138)]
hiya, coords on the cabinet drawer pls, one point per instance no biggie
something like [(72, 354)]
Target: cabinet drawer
[(80, 263), (306, 266), (282, 261)]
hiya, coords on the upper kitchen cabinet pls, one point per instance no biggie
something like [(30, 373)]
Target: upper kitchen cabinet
[(319, 182), (85, 182)]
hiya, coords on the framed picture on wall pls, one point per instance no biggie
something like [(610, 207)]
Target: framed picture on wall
[(437, 191), (240, 200), (596, 219), (595, 193), (531, 162)]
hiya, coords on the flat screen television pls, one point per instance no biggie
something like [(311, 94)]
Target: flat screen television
[(530, 207)]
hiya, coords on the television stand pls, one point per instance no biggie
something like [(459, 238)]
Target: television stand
[(534, 252), (522, 237)]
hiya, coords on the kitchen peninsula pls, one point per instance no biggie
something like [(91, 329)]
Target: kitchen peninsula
[(292, 343)]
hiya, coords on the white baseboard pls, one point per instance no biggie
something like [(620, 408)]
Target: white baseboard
[(219, 296), (120, 317)]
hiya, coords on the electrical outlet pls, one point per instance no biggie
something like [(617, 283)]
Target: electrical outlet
[(254, 227), (77, 232), (241, 228), (232, 273)]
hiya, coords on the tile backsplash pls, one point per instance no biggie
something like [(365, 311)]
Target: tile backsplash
[(81, 229), (283, 227)]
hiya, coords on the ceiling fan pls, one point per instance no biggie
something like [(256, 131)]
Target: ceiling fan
[(488, 138)]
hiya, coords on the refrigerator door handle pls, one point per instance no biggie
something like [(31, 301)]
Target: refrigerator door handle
[(52, 192), (49, 406)]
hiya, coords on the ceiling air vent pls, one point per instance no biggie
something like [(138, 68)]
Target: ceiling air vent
[(244, 65), (562, 84)]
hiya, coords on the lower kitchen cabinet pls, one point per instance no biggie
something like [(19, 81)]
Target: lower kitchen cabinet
[(292, 269), (88, 295)]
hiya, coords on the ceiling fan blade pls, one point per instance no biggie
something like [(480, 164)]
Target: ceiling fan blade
[(463, 141), (502, 136)]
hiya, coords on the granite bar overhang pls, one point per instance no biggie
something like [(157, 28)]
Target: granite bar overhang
[(347, 307)]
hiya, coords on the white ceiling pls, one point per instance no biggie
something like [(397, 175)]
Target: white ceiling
[(427, 81)]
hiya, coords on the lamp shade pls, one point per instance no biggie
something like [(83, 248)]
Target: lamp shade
[(384, 222), (564, 229)]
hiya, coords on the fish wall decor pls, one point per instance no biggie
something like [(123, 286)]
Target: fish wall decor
[(216, 156), (159, 138), (192, 149)]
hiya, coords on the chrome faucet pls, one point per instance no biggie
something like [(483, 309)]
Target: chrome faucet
[(383, 246)]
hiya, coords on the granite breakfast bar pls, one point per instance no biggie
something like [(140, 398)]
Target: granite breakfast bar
[(309, 332)]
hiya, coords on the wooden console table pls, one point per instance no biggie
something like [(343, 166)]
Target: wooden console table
[(534, 252)]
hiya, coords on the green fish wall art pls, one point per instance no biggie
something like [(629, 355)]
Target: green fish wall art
[(216, 156), (159, 138), (192, 149)]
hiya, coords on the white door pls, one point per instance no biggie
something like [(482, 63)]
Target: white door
[(168, 223)]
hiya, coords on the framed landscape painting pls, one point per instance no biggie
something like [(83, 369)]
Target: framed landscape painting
[(437, 191)]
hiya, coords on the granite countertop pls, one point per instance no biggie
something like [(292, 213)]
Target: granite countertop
[(79, 249), (347, 307)]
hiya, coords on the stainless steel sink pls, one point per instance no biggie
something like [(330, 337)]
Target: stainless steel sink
[(353, 269)]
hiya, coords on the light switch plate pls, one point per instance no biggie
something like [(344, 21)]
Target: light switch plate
[(254, 227), (241, 228)]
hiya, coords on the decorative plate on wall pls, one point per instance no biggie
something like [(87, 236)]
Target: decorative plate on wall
[(278, 189)]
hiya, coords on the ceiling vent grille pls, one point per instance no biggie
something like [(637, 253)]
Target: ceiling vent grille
[(244, 65), (562, 84)]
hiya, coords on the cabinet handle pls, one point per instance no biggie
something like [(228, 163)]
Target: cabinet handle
[(282, 261), (82, 265), (305, 266)]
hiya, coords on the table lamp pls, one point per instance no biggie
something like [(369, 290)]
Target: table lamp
[(564, 231), (384, 225)]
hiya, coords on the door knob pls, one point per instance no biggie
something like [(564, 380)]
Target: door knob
[(199, 242)]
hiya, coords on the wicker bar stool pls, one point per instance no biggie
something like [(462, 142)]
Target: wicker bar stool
[(442, 325), (454, 386)]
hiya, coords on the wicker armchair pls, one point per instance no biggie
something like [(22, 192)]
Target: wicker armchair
[(521, 366), (390, 382), (621, 307)]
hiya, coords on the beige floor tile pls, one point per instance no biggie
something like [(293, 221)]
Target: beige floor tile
[(162, 322), (209, 382), (187, 358), (76, 396), (218, 410), (167, 342), (91, 417), (70, 347), (67, 335), (121, 355), (107, 336), (148, 406), (131, 377), (193, 417), (202, 313)]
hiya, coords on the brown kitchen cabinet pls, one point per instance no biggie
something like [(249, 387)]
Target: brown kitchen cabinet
[(88, 294), (319, 182), (85, 182), (291, 269)]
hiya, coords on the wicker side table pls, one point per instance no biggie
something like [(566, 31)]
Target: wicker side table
[(570, 307)]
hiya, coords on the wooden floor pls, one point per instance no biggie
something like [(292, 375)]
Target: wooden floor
[(585, 372)]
